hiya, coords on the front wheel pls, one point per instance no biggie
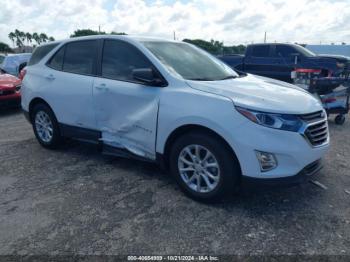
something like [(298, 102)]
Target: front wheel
[(204, 167), (45, 126)]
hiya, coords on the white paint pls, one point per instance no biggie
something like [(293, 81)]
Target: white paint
[(141, 118)]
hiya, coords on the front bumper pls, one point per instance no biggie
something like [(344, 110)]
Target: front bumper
[(303, 176), (10, 100), (292, 150)]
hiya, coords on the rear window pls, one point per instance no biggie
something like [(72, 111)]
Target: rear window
[(80, 57), (56, 62), (40, 52), (260, 50)]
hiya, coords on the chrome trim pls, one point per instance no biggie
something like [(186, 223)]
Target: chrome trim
[(306, 125)]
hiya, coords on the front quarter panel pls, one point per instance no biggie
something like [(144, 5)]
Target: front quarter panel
[(186, 106)]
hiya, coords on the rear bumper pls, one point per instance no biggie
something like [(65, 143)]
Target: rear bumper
[(303, 176)]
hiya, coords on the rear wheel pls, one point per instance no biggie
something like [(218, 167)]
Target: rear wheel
[(204, 167), (45, 126)]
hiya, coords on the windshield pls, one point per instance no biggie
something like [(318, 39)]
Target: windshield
[(304, 51), (189, 62)]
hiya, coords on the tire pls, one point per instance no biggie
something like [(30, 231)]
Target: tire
[(49, 135), (339, 119), (227, 173)]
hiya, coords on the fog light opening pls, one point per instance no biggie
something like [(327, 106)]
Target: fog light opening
[(266, 160)]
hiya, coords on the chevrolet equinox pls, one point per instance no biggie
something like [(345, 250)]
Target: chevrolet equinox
[(173, 103)]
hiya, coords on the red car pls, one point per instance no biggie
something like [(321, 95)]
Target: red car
[(10, 90)]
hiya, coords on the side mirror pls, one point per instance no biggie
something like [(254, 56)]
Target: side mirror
[(147, 76)]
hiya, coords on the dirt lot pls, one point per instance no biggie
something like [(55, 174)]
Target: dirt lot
[(76, 200)]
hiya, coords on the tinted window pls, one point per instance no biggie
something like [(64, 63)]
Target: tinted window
[(285, 51), (40, 52), (261, 50), (120, 58), (80, 57), (56, 61)]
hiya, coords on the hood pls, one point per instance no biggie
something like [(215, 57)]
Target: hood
[(262, 94), (8, 81), (337, 57)]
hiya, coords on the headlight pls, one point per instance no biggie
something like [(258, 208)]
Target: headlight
[(277, 121), (18, 87)]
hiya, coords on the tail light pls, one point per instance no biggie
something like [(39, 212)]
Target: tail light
[(22, 74)]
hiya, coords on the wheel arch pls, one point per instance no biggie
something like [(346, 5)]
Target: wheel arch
[(189, 128), (35, 101)]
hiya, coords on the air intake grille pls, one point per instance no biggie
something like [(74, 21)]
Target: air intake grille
[(7, 92), (317, 133)]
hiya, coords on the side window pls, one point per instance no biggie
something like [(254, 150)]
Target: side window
[(261, 50), (80, 57), (56, 62), (120, 58), (285, 51), (40, 52)]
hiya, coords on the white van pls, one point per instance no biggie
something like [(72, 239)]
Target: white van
[(170, 102)]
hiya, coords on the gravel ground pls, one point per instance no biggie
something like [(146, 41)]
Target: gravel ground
[(77, 201)]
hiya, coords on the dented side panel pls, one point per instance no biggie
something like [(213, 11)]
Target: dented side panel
[(126, 114)]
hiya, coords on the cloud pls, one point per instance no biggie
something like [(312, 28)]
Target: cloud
[(231, 21)]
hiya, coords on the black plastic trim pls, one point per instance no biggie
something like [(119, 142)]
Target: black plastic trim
[(303, 176), (80, 133)]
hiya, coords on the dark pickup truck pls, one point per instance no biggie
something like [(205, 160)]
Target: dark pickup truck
[(279, 60)]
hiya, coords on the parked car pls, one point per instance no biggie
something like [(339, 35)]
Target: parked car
[(13, 63), (10, 91), (172, 103), (279, 60)]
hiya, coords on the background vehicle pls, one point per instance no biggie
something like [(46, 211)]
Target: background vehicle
[(10, 91), (170, 102), (13, 63), (279, 60)]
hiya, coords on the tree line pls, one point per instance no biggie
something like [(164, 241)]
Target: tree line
[(20, 38), (216, 47)]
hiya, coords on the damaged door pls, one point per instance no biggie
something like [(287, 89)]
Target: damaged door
[(126, 110)]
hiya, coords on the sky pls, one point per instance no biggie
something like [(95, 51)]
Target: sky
[(230, 21)]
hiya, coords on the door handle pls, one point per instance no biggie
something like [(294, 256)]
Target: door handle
[(50, 77), (102, 87)]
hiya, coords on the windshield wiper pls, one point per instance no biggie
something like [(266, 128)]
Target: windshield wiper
[(201, 79), (228, 77)]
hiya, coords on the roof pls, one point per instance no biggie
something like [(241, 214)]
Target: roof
[(122, 37), (330, 49)]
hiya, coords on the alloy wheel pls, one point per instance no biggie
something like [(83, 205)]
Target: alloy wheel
[(199, 168), (44, 126)]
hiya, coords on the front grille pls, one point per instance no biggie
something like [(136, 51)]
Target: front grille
[(313, 117), (7, 92), (317, 133)]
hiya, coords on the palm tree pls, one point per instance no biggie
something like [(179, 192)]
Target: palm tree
[(36, 38), (12, 37), (19, 42), (29, 38), (43, 37), (22, 36)]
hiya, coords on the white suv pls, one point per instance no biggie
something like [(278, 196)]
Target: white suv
[(170, 102)]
